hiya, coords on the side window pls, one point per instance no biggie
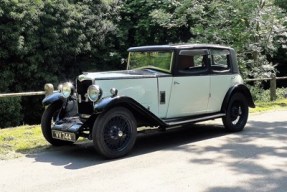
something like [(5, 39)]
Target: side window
[(220, 61), (199, 61), (192, 61)]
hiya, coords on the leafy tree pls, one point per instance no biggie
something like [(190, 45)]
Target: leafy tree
[(137, 26), (253, 27), (17, 21), (48, 41), (53, 40), (282, 4), (281, 56)]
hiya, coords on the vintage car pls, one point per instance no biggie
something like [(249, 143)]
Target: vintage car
[(163, 87)]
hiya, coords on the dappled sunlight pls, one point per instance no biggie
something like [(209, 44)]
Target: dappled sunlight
[(252, 158), (200, 157), (82, 155)]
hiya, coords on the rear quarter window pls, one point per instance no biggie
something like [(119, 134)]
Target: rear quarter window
[(220, 61)]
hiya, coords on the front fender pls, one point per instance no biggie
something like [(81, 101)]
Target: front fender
[(241, 89), (136, 108), (54, 97), (105, 103)]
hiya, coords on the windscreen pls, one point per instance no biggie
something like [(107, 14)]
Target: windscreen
[(160, 60)]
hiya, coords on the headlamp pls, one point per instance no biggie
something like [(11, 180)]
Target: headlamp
[(94, 93), (66, 89)]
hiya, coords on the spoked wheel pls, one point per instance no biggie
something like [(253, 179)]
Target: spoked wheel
[(236, 113), (48, 119), (114, 132)]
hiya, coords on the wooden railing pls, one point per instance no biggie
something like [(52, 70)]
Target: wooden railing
[(273, 85), (48, 89)]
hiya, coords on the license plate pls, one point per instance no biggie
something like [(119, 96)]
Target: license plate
[(66, 136)]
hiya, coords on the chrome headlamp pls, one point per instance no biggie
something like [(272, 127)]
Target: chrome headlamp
[(94, 93), (60, 87), (66, 89)]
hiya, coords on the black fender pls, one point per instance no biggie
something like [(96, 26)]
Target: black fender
[(54, 97), (235, 89), (139, 111)]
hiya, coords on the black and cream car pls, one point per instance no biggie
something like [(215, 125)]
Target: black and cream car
[(163, 87)]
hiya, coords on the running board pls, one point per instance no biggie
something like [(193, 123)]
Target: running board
[(175, 122)]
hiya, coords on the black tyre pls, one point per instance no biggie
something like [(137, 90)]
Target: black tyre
[(48, 118), (236, 113), (115, 132)]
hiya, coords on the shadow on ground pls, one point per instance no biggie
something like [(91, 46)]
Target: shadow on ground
[(84, 155), (246, 152), (265, 160)]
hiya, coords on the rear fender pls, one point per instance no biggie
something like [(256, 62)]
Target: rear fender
[(235, 89)]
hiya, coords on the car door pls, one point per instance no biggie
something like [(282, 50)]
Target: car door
[(221, 78), (190, 84)]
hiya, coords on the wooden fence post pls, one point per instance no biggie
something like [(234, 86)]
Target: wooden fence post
[(273, 87), (49, 88)]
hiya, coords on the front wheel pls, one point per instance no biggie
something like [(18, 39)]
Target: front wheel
[(114, 132), (48, 119), (236, 113)]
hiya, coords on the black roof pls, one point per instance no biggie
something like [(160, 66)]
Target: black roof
[(175, 47)]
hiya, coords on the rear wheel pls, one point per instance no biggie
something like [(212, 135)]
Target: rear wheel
[(114, 132), (236, 113), (48, 119)]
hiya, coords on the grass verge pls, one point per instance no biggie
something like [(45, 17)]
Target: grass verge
[(15, 142), (280, 104), (18, 141)]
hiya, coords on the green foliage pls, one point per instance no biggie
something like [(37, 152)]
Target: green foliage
[(48, 41), (282, 4), (261, 95), (10, 112), (255, 28), (53, 41), (137, 26)]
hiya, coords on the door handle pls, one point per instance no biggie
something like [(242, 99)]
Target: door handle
[(176, 83)]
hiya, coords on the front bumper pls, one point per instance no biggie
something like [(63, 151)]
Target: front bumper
[(67, 129)]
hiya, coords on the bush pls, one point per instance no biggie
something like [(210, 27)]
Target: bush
[(10, 112), (259, 94), (281, 93), (32, 109)]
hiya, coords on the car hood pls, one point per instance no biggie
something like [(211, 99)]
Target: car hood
[(126, 74)]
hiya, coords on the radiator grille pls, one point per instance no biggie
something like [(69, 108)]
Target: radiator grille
[(83, 106)]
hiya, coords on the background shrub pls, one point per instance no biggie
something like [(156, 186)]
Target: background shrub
[(261, 95), (10, 112)]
